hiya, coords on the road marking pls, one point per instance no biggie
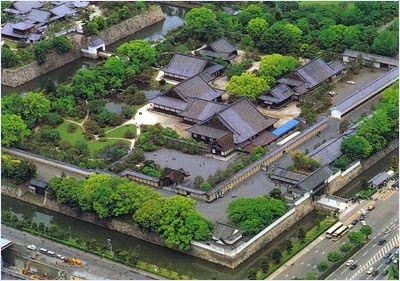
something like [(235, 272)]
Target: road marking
[(302, 262), (286, 275), (374, 245), (315, 266), (365, 253), (308, 264), (293, 277), (323, 253), (380, 266), (344, 271), (317, 251)]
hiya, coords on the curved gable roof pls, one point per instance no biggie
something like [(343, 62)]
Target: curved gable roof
[(185, 65)]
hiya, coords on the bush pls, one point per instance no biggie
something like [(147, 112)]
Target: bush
[(205, 186), (102, 139), (72, 128), (129, 134)]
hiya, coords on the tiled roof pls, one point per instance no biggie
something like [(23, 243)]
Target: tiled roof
[(315, 72), (336, 65), (34, 37), (25, 6), (365, 92), (82, 4), (328, 152), (170, 102), (39, 15), (38, 183), (98, 41), (315, 179), (8, 30), (241, 118), (224, 231), (200, 110), (369, 56), (287, 176), (185, 65), (220, 48), (289, 81), (63, 10), (137, 174), (277, 94), (23, 25), (225, 143), (197, 87), (379, 178)]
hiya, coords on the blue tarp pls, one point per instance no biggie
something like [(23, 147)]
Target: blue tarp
[(285, 127)]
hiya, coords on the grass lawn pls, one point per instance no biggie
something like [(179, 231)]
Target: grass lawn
[(96, 145), (72, 137), (120, 132), (12, 44), (304, 3)]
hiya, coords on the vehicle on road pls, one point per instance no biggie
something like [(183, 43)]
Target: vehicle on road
[(375, 273), (362, 217), (388, 254), (386, 231), (364, 212), (340, 233), (349, 262), (351, 82), (382, 241), (353, 266), (31, 247), (332, 93), (388, 260), (396, 261), (371, 207), (385, 272), (332, 230), (60, 257), (354, 222), (363, 223), (370, 270), (43, 250), (50, 254)]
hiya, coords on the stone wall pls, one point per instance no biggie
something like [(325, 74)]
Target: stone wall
[(16, 77)]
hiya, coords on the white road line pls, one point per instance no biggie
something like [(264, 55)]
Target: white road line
[(308, 264), (302, 262), (317, 251), (374, 245), (323, 253), (380, 266), (286, 275), (365, 253), (315, 266), (293, 277), (344, 271)]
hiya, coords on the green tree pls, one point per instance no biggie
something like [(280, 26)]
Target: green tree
[(202, 24), (310, 276), (356, 147), (234, 69), (252, 274), (139, 53), (301, 234), (62, 44), (256, 27), (276, 65), (375, 129), (277, 255), (198, 181), (341, 162), (8, 58), (11, 104), (264, 264), (149, 214), (366, 230), (356, 237), (247, 85), (334, 257), (323, 266), (302, 162), (181, 223), (91, 28), (394, 272), (40, 52), (35, 107), (276, 193), (66, 190), (281, 37), (346, 247), (123, 12), (344, 125), (364, 183), (16, 169), (13, 130), (205, 185), (386, 43), (289, 245)]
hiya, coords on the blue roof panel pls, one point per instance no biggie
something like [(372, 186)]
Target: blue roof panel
[(285, 127)]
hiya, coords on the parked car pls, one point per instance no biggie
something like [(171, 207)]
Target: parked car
[(332, 93), (363, 222), (31, 247), (375, 273), (351, 82), (388, 260), (396, 261), (353, 266), (382, 241), (43, 250), (385, 272), (60, 257), (364, 212), (371, 207), (50, 254), (354, 222), (349, 262), (386, 231), (370, 270), (388, 254)]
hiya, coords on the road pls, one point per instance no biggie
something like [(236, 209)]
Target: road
[(95, 268), (317, 252)]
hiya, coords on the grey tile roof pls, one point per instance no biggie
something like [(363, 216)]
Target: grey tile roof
[(98, 41), (336, 65), (39, 15), (224, 231), (369, 56), (81, 4), (364, 93), (137, 174), (197, 87), (34, 37), (208, 131), (23, 25), (200, 110), (287, 176), (328, 152), (220, 48), (8, 30), (38, 183), (315, 72), (170, 102), (379, 179), (289, 81), (241, 118), (277, 94), (26, 6), (303, 88), (315, 179), (185, 65), (63, 10)]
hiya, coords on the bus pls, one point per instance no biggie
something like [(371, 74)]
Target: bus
[(340, 233), (331, 230)]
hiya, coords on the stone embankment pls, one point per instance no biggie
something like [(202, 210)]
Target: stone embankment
[(16, 77)]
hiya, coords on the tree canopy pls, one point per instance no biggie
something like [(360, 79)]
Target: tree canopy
[(247, 85), (202, 24), (139, 53), (275, 65), (13, 129), (356, 147)]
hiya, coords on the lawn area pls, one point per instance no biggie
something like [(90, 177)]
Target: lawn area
[(96, 145), (120, 132), (72, 137), (12, 44), (304, 3)]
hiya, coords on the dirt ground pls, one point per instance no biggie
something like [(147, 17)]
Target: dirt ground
[(145, 116), (284, 114)]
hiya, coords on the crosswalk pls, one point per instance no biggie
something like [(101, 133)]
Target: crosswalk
[(387, 193), (378, 256)]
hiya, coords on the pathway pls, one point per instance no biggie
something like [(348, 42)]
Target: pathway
[(81, 124)]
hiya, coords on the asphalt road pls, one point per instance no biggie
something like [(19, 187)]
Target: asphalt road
[(387, 209), (94, 268)]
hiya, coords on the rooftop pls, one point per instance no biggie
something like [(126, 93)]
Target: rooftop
[(369, 56)]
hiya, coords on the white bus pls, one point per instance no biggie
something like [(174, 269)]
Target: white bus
[(340, 233), (331, 230)]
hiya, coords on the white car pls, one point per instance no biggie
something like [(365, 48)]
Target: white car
[(370, 270), (60, 257), (31, 247), (396, 260), (349, 262), (351, 82), (363, 223), (387, 230)]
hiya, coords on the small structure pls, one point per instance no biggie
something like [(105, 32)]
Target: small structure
[(364, 94), (38, 186), (20, 30), (286, 127), (378, 61), (184, 66), (5, 243), (287, 176), (379, 180), (92, 49), (277, 97), (139, 177), (241, 119), (220, 48), (172, 177), (226, 234)]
